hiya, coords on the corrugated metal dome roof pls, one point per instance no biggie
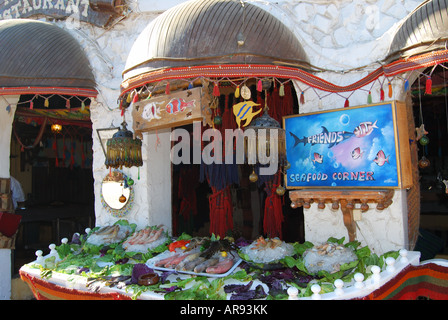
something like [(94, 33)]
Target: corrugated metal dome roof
[(40, 54), (424, 30), (206, 32)]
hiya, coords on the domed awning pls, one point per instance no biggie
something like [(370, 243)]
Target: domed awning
[(424, 30), (197, 33), (41, 58)]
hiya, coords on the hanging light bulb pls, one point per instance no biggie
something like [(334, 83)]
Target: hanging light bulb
[(56, 128), (123, 150)]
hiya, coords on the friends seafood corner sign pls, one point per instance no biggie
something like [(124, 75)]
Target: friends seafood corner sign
[(359, 147)]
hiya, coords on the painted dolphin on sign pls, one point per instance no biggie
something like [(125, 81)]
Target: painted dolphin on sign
[(331, 138)]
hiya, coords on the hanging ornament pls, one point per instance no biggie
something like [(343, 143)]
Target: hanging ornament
[(280, 190), (421, 132), (245, 92), (122, 199), (83, 106), (346, 104), (216, 92), (190, 85), (253, 177), (217, 120), (8, 108), (266, 84), (67, 103), (424, 163), (381, 94), (31, 105), (129, 98), (424, 140), (302, 98), (281, 90), (320, 104), (243, 111), (369, 98), (130, 182), (390, 90), (46, 103), (428, 87), (237, 92)]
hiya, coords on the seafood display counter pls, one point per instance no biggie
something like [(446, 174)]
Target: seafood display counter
[(119, 262)]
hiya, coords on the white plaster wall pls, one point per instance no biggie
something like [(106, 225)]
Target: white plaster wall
[(8, 106), (345, 38)]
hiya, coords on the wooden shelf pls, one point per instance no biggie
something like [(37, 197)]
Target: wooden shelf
[(345, 199)]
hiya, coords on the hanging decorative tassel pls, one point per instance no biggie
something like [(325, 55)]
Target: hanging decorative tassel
[(190, 85), (406, 85), (31, 105), (428, 89), (320, 104), (281, 91), (67, 103), (83, 106), (302, 98), (381, 94), (259, 86), (46, 103), (167, 88), (122, 110), (390, 90), (237, 92), (369, 98), (135, 98), (216, 92), (8, 108), (129, 98), (346, 104)]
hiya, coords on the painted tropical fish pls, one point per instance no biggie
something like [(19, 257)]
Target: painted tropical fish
[(243, 111), (364, 129), (357, 153), (178, 105), (318, 158), (326, 137), (381, 158), (151, 111)]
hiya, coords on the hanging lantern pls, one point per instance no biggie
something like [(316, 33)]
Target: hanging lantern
[(424, 163), (258, 147), (123, 150), (56, 128)]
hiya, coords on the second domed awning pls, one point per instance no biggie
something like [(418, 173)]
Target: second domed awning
[(40, 57)]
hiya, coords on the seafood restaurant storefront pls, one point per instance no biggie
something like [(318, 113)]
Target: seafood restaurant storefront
[(232, 162)]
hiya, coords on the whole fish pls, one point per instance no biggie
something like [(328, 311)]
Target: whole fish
[(151, 111), (191, 264), (220, 267), (190, 257), (381, 158), (357, 153), (243, 111), (178, 105), (318, 158), (204, 265), (364, 129)]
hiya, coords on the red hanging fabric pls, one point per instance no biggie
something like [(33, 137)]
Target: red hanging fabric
[(220, 204), (273, 213)]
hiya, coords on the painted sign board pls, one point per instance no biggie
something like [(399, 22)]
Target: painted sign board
[(167, 111), (358, 147)]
